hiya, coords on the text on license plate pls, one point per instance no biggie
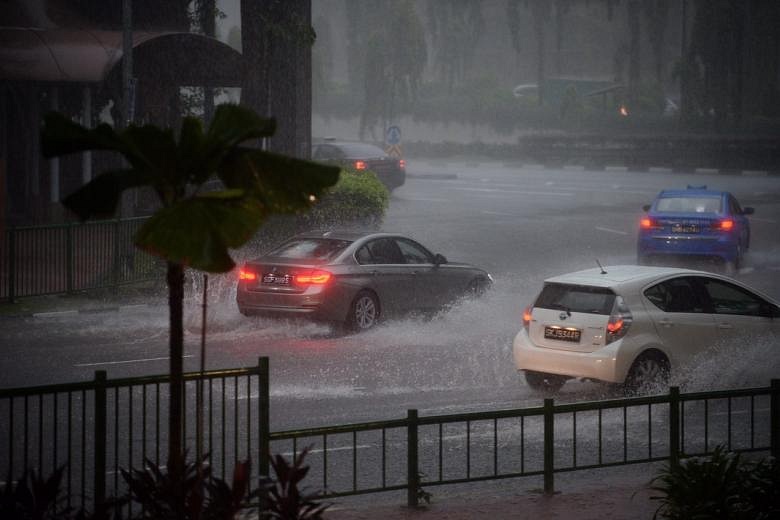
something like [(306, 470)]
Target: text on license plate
[(685, 228), (562, 334), (271, 278)]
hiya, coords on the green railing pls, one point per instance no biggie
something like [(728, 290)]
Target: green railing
[(98, 427), (65, 258)]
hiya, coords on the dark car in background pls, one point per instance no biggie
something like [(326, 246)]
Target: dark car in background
[(695, 223), (362, 156), (353, 279)]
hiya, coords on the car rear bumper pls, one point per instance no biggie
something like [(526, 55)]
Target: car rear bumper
[(602, 364), (723, 247), (323, 305)]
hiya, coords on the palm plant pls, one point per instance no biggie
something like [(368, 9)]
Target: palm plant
[(192, 228)]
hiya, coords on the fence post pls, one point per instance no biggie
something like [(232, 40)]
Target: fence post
[(117, 256), (69, 257), (100, 438), (774, 419), (549, 447), (263, 405), (11, 264), (674, 425), (412, 470)]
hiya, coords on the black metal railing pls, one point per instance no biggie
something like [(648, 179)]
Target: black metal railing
[(96, 428), (64, 258)]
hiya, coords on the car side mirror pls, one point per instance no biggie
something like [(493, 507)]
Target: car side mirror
[(439, 259), (646, 207), (748, 211)]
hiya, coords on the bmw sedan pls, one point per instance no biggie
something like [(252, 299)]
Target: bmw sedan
[(391, 171), (634, 325), (354, 279), (695, 223)]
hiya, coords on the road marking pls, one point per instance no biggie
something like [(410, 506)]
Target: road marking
[(499, 214), (145, 360), (341, 448), (612, 230), (54, 314)]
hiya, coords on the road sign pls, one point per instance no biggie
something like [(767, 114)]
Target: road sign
[(393, 135), (394, 150)]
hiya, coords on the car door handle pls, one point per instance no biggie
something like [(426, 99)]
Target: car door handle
[(666, 322), (725, 326)]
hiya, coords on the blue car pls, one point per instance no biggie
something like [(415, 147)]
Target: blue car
[(694, 223)]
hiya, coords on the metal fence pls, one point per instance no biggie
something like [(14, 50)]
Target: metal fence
[(99, 427), (96, 428), (65, 258)]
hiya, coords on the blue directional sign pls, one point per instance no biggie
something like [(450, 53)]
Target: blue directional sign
[(393, 135)]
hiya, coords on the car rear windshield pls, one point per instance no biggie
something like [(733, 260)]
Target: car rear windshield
[(361, 150), (689, 204), (576, 298), (322, 249)]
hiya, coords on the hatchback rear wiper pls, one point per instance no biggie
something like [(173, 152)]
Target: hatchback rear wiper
[(561, 307)]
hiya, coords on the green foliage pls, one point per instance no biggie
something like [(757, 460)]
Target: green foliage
[(719, 486), (283, 499)]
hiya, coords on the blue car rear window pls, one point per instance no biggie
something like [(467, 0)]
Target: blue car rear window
[(689, 204)]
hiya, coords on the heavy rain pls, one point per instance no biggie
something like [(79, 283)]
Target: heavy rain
[(502, 143)]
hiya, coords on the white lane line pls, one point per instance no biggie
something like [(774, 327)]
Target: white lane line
[(767, 220), (617, 231), (499, 214), (54, 314), (517, 192), (341, 448), (145, 360)]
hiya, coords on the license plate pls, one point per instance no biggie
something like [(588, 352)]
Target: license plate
[(276, 279), (685, 228), (562, 334)]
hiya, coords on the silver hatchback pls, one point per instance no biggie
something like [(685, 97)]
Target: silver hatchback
[(353, 279)]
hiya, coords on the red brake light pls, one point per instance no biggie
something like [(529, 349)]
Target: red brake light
[(615, 326), (527, 316), (648, 223), (360, 165), (402, 164), (726, 225), (316, 277), (619, 321), (245, 274)]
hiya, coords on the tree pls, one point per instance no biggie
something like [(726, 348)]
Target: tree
[(455, 27), (540, 13), (192, 228), (657, 15)]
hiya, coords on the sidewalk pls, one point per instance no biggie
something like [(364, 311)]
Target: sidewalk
[(620, 493)]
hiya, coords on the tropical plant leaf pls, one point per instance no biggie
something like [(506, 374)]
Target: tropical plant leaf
[(61, 136), (198, 232), (100, 197), (234, 124)]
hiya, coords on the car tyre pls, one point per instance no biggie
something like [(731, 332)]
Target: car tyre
[(648, 371), (542, 382), (363, 313)]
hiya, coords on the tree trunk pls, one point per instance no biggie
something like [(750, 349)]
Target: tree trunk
[(176, 351)]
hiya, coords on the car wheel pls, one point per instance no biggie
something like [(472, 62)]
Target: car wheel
[(543, 382), (649, 371), (364, 312)]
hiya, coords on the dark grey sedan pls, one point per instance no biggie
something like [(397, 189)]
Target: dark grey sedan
[(354, 279)]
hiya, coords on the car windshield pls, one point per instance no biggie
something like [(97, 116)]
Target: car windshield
[(698, 204), (361, 150), (310, 249), (576, 298)]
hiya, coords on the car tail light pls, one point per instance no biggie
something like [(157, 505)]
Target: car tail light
[(314, 277), (619, 321), (648, 223), (247, 274), (402, 164), (723, 225), (527, 316), (360, 165)]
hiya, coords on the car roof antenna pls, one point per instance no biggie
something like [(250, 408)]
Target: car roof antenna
[(600, 266)]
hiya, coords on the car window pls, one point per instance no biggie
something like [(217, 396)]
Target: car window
[(326, 151), (576, 298), (414, 253), (361, 150), (689, 204), (676, 295), (363, 256), (310, 249), (734, 206), (384, 251), (728, 298)]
